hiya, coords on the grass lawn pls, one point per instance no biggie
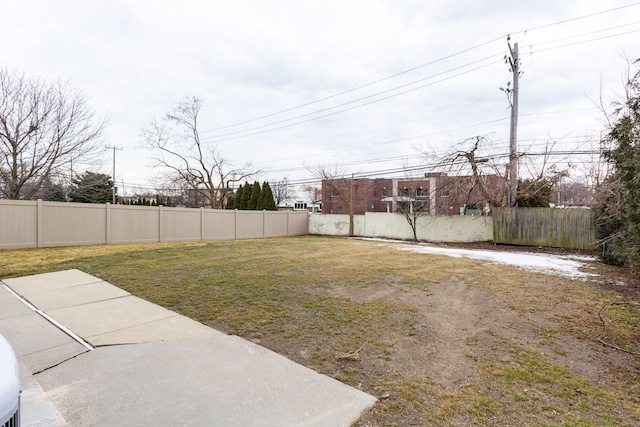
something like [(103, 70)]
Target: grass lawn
[(440, 340)]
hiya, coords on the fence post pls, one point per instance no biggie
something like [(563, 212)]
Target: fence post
[(107, 236), (264, 223), (288, 224), (235, 225), (39, 224)]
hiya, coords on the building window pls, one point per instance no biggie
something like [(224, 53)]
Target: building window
[(421, 193), (406, 192), (444, 191), (385, 192)]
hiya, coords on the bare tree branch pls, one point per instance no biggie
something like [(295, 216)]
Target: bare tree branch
[(466, 162), (605, 339), (189, 160), (43, 128), (490, 174), (282, 191), (339, 185)]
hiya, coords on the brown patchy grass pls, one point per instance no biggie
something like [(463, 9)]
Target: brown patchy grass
[(441, 341)]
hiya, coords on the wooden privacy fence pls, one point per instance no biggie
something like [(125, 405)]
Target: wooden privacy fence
[(552, 227), (31, 224)]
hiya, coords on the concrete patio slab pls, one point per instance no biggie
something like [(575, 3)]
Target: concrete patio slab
[(11, 307), (179, 372), (167, 329), (53, 299), (224, 381), (45, 359), (38, 343), (37, 409), (47, 281), (31, 333), (109, 315)]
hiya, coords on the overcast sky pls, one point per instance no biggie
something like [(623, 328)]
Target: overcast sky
[(289, 84)]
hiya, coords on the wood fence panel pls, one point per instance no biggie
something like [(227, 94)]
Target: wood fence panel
[(558, 228)]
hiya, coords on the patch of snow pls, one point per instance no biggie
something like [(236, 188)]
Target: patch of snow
[(565, 265)]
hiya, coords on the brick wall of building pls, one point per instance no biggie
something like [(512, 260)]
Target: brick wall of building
[(446, 195)]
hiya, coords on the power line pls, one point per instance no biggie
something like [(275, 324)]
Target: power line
[(405, 85), (391, 172), (583, 17), (590, 33), (586, 41), (352, 108), (406, 72), (358, 87), (273, 125), (417, 68), (243, 133), (488, 146), (362, 99)]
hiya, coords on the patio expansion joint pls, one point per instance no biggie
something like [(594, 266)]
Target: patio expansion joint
[(50, 319)]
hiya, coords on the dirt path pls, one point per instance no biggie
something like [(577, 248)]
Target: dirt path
[(451, 317), (458, 326)]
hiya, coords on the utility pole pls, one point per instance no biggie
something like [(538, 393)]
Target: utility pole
[(514, 61), (113, 177)]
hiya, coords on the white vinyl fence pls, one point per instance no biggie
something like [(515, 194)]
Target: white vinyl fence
[(31, 224)]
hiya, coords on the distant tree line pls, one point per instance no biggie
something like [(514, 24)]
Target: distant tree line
[(93, 187), (253, 197), (144, 201)]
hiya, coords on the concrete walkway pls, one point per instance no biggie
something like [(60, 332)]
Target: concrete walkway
[(92, 354)]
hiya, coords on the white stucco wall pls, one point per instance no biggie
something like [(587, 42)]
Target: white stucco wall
[(433, 228)]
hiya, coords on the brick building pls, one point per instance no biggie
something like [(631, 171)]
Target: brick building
[(442, 194)]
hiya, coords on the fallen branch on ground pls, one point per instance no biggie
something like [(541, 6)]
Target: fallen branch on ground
[(602, 338), (352, 355)]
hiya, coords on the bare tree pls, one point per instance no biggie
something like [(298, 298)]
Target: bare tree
[(466, 161), (190, 160), (44, 126), (336, 183), (489, 174), (413, 210), (544, 176), (281, 191)]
